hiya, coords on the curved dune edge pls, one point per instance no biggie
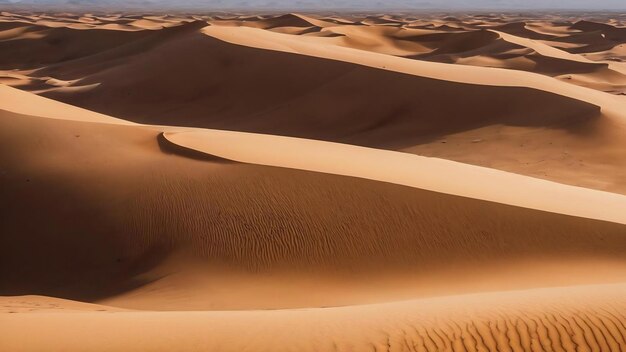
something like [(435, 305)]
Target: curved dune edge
[(432, 174), (258, 38), (394, 167), (550, 51), (582, 318), (21, 102)]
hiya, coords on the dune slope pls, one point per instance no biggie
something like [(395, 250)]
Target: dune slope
[(534, 320), (195, 74), (153, 202)]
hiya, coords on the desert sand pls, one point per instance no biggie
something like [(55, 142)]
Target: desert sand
[(318, 182)]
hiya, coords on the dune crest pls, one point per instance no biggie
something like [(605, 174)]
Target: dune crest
[(529, 87), (406, 169)]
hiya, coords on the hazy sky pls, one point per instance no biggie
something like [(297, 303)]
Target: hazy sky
[(335, 4)]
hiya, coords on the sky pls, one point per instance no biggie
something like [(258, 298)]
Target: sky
[(365, 5)]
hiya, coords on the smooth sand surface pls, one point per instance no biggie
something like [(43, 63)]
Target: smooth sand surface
[(267, 183)]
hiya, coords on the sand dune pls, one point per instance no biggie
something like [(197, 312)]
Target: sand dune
[(251, 183), (275, 108), (137, 244), (397, 120), (412, 115), (272, 185), (16, 101), (472, 75), (523, 321), (405, 169)]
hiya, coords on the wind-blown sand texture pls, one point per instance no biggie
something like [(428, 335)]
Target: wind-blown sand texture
[(312, 183)]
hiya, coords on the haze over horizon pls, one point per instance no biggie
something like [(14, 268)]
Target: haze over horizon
[(364, 5)]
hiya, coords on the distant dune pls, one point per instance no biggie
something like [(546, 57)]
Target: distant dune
[(135, 71), (300, 182)]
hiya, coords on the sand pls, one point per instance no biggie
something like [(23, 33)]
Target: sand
[(311, 182), (522, 321), (524, 86)]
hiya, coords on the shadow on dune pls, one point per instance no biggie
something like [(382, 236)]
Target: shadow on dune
[(57, 242), (187, 78), (172, 148)]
